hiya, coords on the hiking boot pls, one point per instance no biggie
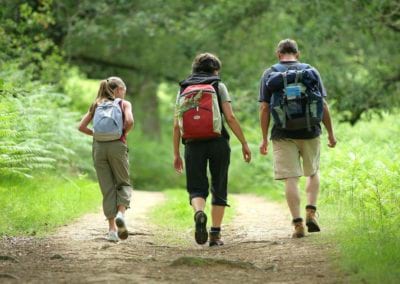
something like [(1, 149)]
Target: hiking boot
[(215, 239), (112, 236), (298, 228), (121, 225), (311, 219), (200, 234)]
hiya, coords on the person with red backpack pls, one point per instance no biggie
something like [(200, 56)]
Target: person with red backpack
[(292, 93), (203, 103), (112, 120)]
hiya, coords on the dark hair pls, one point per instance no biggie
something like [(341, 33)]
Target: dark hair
[(287, 46), (206, 62)]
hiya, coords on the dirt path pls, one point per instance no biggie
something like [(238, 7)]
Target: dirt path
[(258, 250)]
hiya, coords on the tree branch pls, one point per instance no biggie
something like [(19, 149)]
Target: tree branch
[(130, 67), (102, 62)]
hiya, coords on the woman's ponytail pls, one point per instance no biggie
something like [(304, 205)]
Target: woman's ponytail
[(106, 90), (102, 90)]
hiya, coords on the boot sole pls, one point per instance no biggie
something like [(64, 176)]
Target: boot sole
[(312, 227), (298, 236), (201, 234), (216, 244), (122, 230)]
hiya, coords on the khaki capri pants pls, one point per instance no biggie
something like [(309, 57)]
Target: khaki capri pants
[(296, 157), (112, 168)]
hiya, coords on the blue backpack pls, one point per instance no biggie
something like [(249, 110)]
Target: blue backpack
[(108, 121), (296, 101)]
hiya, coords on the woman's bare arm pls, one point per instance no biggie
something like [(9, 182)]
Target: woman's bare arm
[(129, 121), (83, 124)]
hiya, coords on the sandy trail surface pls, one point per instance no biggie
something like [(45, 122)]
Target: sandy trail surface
[(258, 249)]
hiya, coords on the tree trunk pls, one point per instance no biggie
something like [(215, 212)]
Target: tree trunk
[(145, 108)]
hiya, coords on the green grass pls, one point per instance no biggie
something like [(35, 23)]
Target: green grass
[(367, 254), (360, 194), (175, 216), (360, 197), (37, 206)]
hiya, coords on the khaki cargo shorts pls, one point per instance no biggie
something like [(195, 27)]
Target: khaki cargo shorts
[(296, 157)]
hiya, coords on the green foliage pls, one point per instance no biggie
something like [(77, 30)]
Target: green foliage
[(39, 205), (257, 176), (360, 192), (119, 41), (359, 76), (143, 42), (37, 130), (38, 133), (20, 150), (24, 37), (80, 90), (148, 43), (151, 162), (38, 137)]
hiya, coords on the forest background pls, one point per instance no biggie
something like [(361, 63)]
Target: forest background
[(54, 53)]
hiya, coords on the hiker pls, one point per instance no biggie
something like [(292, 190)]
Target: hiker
[(294, 95), (203, 103), (112, 120)]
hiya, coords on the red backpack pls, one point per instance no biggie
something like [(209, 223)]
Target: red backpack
[(198, 112)]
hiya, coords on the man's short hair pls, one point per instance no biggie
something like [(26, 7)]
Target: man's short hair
[(287, 46), (206, 62)]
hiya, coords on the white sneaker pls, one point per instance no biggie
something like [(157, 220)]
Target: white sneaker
[(121, 225), (112, 236)]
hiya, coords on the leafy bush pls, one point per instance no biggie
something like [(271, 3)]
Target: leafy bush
[(361, 195), (38, 132), (151, 162), (80, 90), (257, 176)]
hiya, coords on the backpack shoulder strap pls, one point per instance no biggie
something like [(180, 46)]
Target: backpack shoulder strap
[(119, 102), (299, 74), (224, 132), (215, 85), (279, 67), (303, 66)]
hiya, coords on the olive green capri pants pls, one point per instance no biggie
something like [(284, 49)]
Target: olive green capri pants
[(112, 168)]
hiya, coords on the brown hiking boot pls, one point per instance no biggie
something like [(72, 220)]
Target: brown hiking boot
[(215, 239), (311, 219), (298, 228)]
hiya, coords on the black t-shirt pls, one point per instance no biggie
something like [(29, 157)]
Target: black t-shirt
[(265, 96)]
